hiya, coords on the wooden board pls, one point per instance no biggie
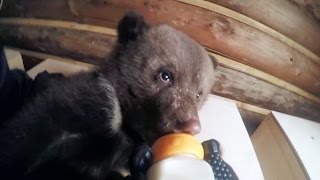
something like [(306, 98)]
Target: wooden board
[(62, 42), (56, 66), (312, 7), (253, 23), (221, 121), (299, 20), (276, 157), (14, 59), (263, 76), (219, 33), (304, 137), (245, 88)]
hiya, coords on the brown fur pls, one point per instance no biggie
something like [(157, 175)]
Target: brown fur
[(85, 126)]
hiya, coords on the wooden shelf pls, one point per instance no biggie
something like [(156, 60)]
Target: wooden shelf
[(287, 147)]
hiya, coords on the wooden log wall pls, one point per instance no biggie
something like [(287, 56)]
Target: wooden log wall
[(295, 19), (263, 62)]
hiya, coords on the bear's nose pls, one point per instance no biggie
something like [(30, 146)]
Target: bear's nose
[(192, 126)]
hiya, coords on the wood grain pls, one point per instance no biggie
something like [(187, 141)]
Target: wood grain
[(245, 88), (277, 158), (253, 23), (219, 33), (264, 76), (297, 19), (94, 47), (58, 24), (306, 143), (312, 7), (62, 42)]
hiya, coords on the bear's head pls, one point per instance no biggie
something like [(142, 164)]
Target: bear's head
[(161, 76)]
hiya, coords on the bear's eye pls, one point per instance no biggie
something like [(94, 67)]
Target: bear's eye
[(166, 77), (199, 94)]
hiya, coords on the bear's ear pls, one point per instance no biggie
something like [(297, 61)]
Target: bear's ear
[(130, 27)]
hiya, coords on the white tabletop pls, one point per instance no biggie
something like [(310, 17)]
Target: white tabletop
[(304, 135), (57, 66), (221, 120)]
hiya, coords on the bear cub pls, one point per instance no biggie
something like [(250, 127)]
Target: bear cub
[(85, 126)]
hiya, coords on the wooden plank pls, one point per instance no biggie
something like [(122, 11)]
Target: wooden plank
[(306, 143), (248, 107), (285, 16), (276, 157), (44, 56), (312, 7), (59, 24), (215, 31), (57, 66), (262, 75), (245, 88), (61, 42), (94, 47), (14, 59), (251, 22)]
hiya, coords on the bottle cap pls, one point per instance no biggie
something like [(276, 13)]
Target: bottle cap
[(177, 143)]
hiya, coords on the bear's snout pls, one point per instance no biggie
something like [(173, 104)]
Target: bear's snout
[(191, 126)]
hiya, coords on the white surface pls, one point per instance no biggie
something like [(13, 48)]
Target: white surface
[(221, 120), (180, 168), (56, 66), (14, 59), (304, 136)]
